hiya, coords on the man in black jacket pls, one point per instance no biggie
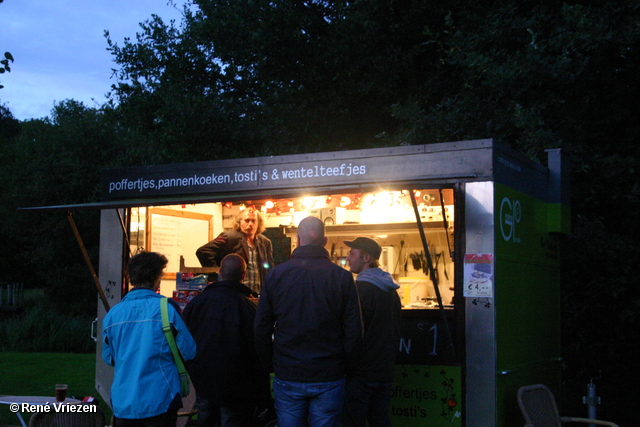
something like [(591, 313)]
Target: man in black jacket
[(307, 329), (369, 383), (246, 240), (229, 381)]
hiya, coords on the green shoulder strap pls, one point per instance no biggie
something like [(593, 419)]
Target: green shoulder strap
[(166, 328)]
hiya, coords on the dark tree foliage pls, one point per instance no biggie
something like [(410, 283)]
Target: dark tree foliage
[(54, 161), (256, 77), (4, 64), (9, 125), (169, 97)]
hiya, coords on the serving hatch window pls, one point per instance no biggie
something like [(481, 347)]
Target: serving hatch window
[(386, 216)]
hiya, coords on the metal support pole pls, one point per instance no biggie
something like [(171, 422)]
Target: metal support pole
[(592, 401), (432, 275)]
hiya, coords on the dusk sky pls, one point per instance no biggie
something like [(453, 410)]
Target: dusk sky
[(60, 52)]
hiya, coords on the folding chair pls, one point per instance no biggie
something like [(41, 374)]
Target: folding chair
[(538, 406), (94, 418)]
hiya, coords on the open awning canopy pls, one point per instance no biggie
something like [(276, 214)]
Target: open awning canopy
[(291, 175)]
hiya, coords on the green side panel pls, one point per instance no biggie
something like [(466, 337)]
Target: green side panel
[(527, 298), (426, 395), (559, 218)]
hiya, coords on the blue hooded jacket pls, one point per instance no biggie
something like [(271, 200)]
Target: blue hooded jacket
[(146, 380)]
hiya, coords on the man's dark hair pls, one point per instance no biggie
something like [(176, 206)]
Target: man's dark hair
[(232, 267), (145, 269)]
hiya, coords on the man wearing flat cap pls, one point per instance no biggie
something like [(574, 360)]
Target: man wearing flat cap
[(368, 385)]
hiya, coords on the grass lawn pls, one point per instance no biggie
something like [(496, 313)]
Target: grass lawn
[(36, 374)]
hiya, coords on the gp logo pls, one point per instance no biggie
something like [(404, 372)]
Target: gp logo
[(510, 216)]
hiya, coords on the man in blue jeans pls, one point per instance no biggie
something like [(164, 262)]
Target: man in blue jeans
[(307, 330)]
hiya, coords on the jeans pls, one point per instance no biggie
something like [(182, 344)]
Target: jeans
[(366, 401), (210, 415), (320, 402)]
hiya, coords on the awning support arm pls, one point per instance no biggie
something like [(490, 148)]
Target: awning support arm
[(124, 231), (432, 273), (103, 297), (445, 222)]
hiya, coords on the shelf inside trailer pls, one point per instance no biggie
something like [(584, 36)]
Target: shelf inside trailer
[(391, 228)]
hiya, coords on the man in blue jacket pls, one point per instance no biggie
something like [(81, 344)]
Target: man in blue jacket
[(307, 329), (146, 385)]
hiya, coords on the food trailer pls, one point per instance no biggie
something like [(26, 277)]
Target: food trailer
[(468, 229)]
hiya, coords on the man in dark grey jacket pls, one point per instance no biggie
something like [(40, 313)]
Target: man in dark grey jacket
[(307, 329), (246, 240), (369, 383)]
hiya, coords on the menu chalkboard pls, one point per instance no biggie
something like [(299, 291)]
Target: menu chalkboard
[(176, 233)]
